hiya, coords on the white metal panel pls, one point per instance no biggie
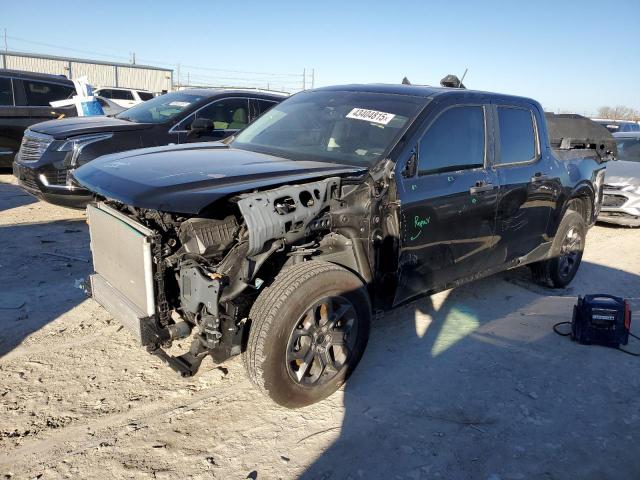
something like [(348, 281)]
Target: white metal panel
[(39, 65), (145, 79), (97, 75)]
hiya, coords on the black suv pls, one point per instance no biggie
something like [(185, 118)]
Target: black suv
[(24, 100), (51, 150)]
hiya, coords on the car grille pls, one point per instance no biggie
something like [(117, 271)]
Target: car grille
[(56, 176), (614, 200), (28, 178), (34, 145), (31, 177)]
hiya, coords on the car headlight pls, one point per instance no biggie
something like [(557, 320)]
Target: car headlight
[(75, 145)]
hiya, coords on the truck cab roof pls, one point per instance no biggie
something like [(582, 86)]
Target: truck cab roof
[(424, 91)]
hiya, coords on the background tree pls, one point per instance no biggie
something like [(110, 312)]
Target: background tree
[(619, 112)]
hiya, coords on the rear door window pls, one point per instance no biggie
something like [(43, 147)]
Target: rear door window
[(6, 92), (454, 141), (42, 93), (144, 96), (517, 135), (264, 105), (121, 95)]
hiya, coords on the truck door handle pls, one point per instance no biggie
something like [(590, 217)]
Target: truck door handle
[(481, 187), (539, 177)]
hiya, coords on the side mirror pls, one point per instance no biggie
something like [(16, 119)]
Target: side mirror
[(411, 167), (200, 126)]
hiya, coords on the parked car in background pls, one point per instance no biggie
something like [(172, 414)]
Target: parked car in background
[(616, 126), (51, 150), (339, 202), (24, 100), (125, 97), (621, 202)]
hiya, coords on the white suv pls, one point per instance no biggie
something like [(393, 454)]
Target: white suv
[(125, 97)]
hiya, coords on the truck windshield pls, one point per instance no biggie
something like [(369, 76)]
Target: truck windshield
[(355, 128), (160, 109)]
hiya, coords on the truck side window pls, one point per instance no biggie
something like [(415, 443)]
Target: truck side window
[(517, 135), (455, 141), (41, 93), (6, 92)]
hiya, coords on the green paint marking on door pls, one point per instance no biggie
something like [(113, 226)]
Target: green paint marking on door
[(419, 222), (413, 187), (474, 200)]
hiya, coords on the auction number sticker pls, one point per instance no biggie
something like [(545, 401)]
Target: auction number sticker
[(370, 116)]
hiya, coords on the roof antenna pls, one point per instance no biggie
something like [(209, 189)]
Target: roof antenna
[(464, 75)]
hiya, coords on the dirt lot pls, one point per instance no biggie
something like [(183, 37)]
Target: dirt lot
[(469, 384)]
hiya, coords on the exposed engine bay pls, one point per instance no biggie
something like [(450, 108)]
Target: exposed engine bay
[(207, 272)]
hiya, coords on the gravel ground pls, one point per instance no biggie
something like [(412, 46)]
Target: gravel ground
[(468, 384)]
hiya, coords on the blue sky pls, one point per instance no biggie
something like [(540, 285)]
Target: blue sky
[(569, 55)]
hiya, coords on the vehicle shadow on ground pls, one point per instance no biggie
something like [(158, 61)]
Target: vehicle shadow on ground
[(473, 384), (41, 267), (12, 196)]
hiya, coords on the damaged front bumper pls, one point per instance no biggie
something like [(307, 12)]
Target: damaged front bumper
[(620, 206)]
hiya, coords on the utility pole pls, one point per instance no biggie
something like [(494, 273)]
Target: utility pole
[(178, 74), (133, 58), (304, 79), (4, 57), (313, 77)]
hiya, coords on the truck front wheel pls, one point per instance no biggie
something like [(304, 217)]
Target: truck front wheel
[(566, 253), (308, 331)]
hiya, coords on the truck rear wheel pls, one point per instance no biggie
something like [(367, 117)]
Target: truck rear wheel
[(566, 253), (308, 332)]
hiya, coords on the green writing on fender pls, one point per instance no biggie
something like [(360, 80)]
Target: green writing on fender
[(421, 222)]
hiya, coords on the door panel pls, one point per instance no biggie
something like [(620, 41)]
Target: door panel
[(448, 214), (528, 182)]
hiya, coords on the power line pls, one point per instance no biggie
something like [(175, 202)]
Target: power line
[(67, 48), (194, 67)]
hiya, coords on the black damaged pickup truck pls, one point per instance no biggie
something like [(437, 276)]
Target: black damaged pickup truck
[(280, 242)]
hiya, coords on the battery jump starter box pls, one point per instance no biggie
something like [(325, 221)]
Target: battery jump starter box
[(601, 320)]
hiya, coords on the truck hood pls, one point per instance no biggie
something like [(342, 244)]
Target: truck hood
[(622, 172), (68, 127), (188, 178)]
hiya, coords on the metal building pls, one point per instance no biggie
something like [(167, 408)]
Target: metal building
[(99, 73)]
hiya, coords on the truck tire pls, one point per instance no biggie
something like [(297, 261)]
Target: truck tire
[(566, 253), (308, 331)]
